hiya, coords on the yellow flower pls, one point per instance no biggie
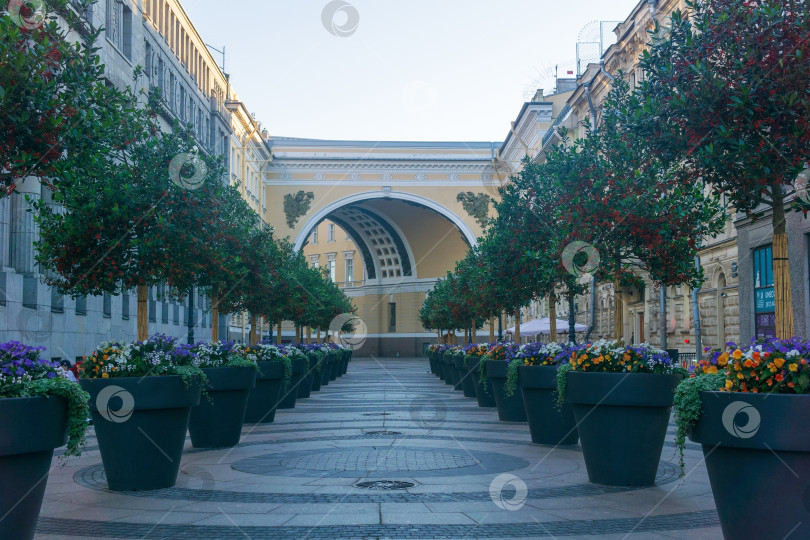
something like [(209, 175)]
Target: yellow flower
[(713, 369), (105, 375), (722, 360), (729, 384), (737, 354), (779, 362), (793, 367), (740, 376)]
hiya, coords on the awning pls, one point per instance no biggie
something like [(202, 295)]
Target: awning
[(543, 326)]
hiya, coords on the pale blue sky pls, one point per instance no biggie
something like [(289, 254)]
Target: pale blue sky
[(412, 70)]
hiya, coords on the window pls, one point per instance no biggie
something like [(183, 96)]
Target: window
[(348, 237), (57, 301), (313, 260), (392, 317), (332, 269), (107, 305), (125, 306), (315, 236), (176, 313), (331, 232), (764, 301), (349, 270), (126, 34), (81, 305), (149, 64)]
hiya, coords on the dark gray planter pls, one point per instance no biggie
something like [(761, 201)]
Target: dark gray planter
[(263, 398), (217, 421), (333, 369), (622, 420), (466, 381), (141, 451), (289, 395), (510, 408), (449, 369), (548, 423), (483, 393), (305, 388), (30, 428), (757, 452), (326, 371), (316, 375), (457, 374)]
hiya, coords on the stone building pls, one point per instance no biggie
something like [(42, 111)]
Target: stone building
[(158, 36), (718, 299)]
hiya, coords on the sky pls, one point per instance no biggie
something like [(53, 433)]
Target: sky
[(432, 70)]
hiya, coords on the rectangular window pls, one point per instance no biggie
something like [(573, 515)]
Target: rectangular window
[(349, 270), (57, 301), (81, 305), (392, 317), (333, 270), (313, 260), (176, 313), (126, 32), (764, 300), (148, 62), (315, 236), (331, 232), (152, 305), (164, 311), (125, 306), (107, 305)]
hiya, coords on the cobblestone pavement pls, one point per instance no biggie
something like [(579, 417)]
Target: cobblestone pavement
[(388, 419)]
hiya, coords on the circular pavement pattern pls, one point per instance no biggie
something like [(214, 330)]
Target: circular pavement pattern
[(374, 460)]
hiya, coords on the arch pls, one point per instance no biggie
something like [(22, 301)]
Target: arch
[(324, 212)]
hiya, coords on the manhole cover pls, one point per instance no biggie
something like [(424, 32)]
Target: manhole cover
[(383, 432), (385, 484), (376, 414)]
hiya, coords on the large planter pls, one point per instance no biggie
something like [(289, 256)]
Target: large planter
[(326, 369), (432, 361), (449, 371), (30, 428), (263, 398), (757, 452), (217, 421), (483, 393), (305, 388), (335, 366), (510, 408), (466, 379), (548, 423), (345, 364), (622, 420), (289, 395), (141, 427), (316, 375)]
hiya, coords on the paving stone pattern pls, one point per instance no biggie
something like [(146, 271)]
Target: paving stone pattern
[(295, 478)]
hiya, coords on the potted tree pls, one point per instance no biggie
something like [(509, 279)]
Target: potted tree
[(534, 370), (217, 421), (40, 410), (141, 395), (274, 374), (622, 399), (743, 407)]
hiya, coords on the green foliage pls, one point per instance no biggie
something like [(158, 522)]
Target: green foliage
[(476, 205), (562, 382), (512, 377), (688, 406), (296, 206)]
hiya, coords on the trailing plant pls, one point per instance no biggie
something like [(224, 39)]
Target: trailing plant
[(688, 406), (562, 382), (24, 374)]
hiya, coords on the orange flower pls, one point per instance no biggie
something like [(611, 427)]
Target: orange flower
[(737, 354), (713, 369), (780, 377), (755, 356), (748, 363), (779, 362), (722, 360)]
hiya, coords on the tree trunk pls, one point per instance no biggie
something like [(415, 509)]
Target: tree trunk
[(552, 318), (143, 313), (297, 334), (517, 325), (473, 334), (618, 311), (254, 323), (781, 267), (309, 335), (466, 336), (278, 334), (214, 318), (492, 329), (572, 319)]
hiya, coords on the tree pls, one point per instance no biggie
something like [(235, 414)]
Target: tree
[(134, 218), (56, 110), (727, 99)]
